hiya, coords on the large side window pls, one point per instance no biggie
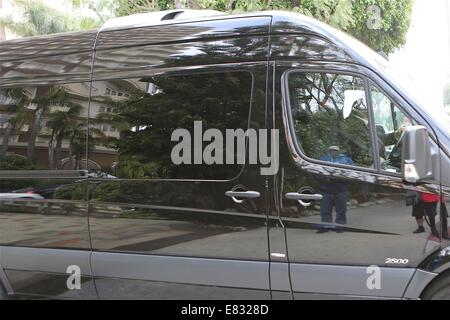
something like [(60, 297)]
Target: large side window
[(390, 123), (137, 117), (330, 117)]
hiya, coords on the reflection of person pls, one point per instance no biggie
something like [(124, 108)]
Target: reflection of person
[(444, 217), (384, 139), (426, 205), (355, 134), (334, 193)]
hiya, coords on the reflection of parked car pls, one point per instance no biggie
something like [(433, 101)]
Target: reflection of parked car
[(100, 175), (44, 193), (19, 195)]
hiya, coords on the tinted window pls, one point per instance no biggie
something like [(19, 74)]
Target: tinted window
[(152, 108), (330, 117), (390, 123)]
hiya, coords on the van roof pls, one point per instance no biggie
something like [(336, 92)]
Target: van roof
[(194, 25), (158, 17), (63, 43), (70, 54)]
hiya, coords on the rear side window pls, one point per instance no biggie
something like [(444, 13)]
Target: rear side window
[(138, 127), (330, 117)]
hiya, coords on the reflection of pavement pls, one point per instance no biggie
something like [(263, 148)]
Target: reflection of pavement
[(138, 235), (179, 238), (351, 248), (390, 217), (359, 247), (190, 239), (250, 244), (24, 229), (145, 234)]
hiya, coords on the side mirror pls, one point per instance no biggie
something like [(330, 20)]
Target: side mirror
[(417, 164)]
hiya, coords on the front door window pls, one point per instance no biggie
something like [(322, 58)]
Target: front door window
[(330, 117)]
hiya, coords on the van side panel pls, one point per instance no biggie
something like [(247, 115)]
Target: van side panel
[(44, 102), (176, 234)]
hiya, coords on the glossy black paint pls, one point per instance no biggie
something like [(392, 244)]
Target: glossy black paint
[(387, 196), (111, 288), (437, 262), (167, 213), (186, 218), (354, 52), (185, 32), (41, 285), (48, 222), (54, 44)]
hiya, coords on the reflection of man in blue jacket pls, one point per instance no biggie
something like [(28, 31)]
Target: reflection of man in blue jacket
[(334, 192)]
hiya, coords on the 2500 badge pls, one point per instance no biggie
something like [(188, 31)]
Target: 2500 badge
[(396, 261)]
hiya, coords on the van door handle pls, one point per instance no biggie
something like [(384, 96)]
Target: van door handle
[(303, 196), (243, 194)]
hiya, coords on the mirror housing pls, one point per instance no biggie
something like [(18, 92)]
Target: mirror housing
[(417, 157)]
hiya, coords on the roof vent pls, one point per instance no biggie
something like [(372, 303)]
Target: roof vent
[(172, 15), (155, 18)]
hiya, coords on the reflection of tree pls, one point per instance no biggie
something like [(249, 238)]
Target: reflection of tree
[(46, 97), (20, 116), (60, 123), (146, 122), (78, 136), (63, 119), (317, 102)]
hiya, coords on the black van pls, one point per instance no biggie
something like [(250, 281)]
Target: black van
[(355, 208)]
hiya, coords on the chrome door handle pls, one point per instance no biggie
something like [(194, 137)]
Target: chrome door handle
[(243, 194), (303, 196)]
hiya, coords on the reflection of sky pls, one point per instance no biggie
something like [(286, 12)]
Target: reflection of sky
[(425, 58), (190, 51)]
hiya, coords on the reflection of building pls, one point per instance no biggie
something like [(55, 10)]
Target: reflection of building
[(19, 135)]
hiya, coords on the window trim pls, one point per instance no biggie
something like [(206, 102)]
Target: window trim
[(289, 125)]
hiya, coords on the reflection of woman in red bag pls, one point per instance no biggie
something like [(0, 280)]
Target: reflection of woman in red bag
[(426, 206)]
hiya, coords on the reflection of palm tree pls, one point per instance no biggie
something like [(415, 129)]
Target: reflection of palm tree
[(60, 124), (117, 119), (53, 96), (77, 145), (20, 117), (77, 135)]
